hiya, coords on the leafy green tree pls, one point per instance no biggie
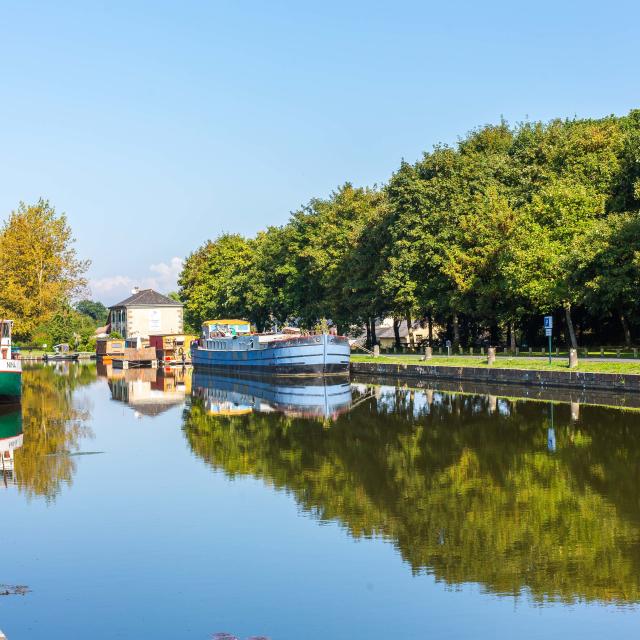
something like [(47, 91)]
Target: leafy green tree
[(481, 237), (66, 326), (40, 267), (218, 281), (93, 309), (608, 261)]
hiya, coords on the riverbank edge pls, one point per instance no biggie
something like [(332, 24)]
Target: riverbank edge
[(628, 382)]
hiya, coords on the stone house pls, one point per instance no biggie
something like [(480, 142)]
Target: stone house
[(146, 312)]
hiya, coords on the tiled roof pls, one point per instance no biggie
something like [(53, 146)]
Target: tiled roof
[(147, 298)]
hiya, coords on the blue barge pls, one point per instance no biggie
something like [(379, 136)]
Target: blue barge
[(230, 345)]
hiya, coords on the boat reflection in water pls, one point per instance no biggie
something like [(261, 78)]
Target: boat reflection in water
[(316, 397), (149, 392), (11, 439)]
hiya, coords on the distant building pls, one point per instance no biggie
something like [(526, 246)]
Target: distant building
[(387, 338), (146, 312)]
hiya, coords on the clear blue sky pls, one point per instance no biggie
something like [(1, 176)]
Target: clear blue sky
[(156, 125)]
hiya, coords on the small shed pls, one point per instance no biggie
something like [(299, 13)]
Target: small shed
[(173, 347), (110, 347)]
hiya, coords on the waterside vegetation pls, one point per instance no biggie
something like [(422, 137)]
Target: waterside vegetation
[(43, 277), (476, 240)]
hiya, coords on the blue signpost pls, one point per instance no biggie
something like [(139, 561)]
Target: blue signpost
[(548, 330)]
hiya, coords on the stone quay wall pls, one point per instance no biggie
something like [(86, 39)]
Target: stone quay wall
[(496, 375)]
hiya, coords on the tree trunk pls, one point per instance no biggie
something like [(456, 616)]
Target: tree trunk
[(512, 337), (572, 333), (494, 335), (430, 321), (396, 332), (625, 328), (374, 337), (456, 331), (369, 345), (410, 341)]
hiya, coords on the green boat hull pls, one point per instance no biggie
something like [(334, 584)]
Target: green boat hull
[(10, 386), (10, 421)]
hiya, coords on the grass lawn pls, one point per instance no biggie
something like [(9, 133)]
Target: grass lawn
[(506, 362), (33, 353)]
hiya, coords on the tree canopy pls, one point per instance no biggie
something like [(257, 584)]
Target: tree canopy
[(480, 238), (40, 267)]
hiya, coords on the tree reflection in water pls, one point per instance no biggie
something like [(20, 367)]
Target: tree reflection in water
[(53, 422), (464, 486)]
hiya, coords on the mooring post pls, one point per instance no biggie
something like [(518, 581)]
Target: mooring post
[(491, 355), (428, 353), (376, 350), (573, 358)]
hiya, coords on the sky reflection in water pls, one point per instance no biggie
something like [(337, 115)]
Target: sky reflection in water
[(314, 511)]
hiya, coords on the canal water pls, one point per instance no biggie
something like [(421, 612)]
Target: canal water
[(143, 504)]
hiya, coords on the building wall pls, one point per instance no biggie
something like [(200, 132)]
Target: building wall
[(388, 342), (145, 321)]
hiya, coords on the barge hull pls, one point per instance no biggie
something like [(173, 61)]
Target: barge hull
[(313, 355)]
